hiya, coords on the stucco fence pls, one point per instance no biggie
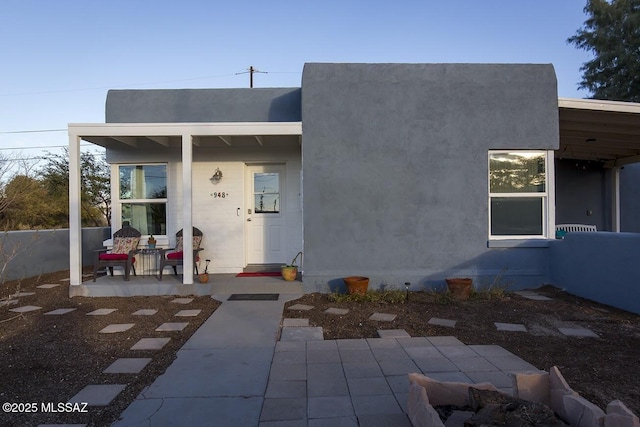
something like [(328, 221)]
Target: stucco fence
[(33, 252), (600, 266)]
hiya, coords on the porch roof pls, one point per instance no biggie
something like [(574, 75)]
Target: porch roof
[(604, 131), (148, 135)]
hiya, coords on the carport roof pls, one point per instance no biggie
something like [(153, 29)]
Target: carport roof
[(595, 130)]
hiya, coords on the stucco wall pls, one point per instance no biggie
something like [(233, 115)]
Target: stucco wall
[(395, 169), (203, 105), (599, 266), (30, 253)]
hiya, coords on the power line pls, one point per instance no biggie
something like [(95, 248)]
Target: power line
[(114, 86), (32, 131), (44, 146)]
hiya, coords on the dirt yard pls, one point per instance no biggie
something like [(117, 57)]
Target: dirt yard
[(50, 358)]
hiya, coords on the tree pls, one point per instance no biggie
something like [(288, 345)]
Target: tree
[(95, 176), (612, 33)]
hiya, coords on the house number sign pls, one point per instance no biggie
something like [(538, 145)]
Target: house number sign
[(220, 195)]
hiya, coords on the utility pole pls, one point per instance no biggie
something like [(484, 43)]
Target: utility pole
[(251, 70)]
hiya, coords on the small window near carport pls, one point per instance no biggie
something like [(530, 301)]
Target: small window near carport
[(518, 194)]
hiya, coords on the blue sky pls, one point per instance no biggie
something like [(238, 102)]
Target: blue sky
[(59, 58)]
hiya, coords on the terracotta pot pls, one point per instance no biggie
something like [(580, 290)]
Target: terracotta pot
[(357, 284), (289, 273), (460, 288), (204, 277)]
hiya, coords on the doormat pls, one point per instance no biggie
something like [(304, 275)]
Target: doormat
[(253, 297), (259, 273)]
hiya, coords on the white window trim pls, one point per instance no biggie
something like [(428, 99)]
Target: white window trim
[(163, 239), (548, 197)]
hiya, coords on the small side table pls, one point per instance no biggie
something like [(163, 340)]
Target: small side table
[(149, 261)]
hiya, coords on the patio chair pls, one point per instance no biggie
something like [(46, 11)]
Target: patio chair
[(174, 256), (125, 244)]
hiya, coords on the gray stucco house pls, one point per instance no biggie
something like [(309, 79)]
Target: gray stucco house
[(400, 172)]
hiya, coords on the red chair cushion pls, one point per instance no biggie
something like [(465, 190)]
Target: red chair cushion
[(115, 257), (174, 255)]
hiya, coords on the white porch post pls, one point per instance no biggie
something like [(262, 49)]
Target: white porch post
[(75, 224), (187, 198), (615, 199)]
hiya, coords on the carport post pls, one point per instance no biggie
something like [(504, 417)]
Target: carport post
[(615, 202)]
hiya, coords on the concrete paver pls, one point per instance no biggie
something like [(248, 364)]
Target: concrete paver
[(131, 365), (301, 307), (150, 343), (182, 300), (303, 333), (443, 341), (578, 332), (448, 323), (392, 333), (188, 313), (98, 394), (510, 327), (48, 286), (336, 311), (116, 328), (334, 406), (102, 311), (145, 312), (25, 309), (295, 322), (60, 311), (383, 317), (172, 326)]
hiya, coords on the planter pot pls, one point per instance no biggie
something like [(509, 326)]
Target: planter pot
[(460, 288), (289, 273), (204, 277), (357, 284)]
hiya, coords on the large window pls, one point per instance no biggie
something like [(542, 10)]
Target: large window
[(518, 194), (143, 197)]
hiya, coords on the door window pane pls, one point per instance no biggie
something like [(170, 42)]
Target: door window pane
[(516, 216), (266, 192), (517, 172)]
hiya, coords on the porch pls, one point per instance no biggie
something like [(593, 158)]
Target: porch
[(115, 286)]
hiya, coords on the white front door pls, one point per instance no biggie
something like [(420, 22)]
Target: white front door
[(265, 224)]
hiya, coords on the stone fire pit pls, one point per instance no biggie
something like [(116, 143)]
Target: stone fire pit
[(542, 392)]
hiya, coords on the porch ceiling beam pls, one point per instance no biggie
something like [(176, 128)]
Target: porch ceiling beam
[(603, 129), (162, 140), (128, 140), (259, 139), (225, 139), (623, 161), (600, 143)]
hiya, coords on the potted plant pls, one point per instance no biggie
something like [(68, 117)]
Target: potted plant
[(357, 284), (459, 287), (204, 276), (289, 272), (151, 242)]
